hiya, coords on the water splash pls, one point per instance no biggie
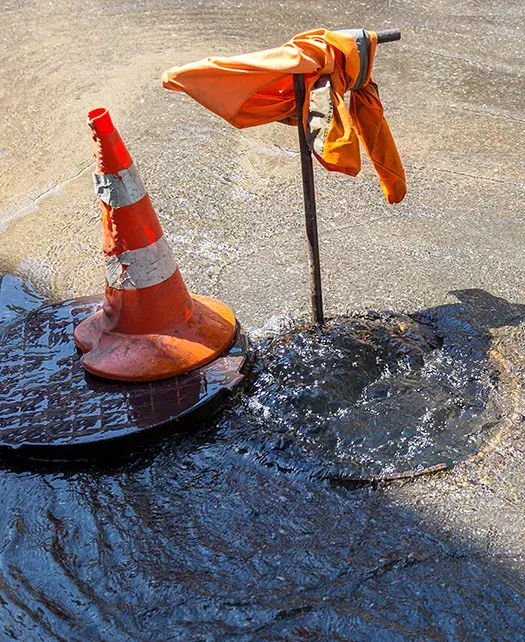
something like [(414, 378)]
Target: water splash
[(368, 396)]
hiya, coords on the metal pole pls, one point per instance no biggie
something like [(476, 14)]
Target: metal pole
[(309, 205), (310, 211), (388, 35)]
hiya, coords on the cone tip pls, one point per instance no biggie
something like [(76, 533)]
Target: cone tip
[(100, 120)]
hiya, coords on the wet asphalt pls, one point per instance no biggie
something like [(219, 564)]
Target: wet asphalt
[(230, 201)]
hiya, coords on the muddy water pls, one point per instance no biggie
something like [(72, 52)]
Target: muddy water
[(235, 531)]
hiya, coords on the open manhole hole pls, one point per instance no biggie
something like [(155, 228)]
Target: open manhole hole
[(376, 396)]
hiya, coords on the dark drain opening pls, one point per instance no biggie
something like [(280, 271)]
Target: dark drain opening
[(376, 396)]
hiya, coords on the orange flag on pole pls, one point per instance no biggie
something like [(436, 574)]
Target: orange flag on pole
[(257, 88)]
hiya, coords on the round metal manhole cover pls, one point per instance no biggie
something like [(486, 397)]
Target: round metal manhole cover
[(51, 407)]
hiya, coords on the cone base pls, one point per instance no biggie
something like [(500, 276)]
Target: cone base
[(194, 342)]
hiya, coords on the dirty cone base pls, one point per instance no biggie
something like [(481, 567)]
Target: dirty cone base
[(51, 408)]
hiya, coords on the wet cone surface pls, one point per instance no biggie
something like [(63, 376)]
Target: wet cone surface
[(149, 327)]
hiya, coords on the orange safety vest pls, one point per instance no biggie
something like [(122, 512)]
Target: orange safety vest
[(257, 88)]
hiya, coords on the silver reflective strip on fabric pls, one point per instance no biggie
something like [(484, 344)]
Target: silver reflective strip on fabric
[(362, 40), (119, 190), (319, 114), (142, 268)]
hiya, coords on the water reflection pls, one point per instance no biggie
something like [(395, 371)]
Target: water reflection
[(205, 545), (362, 397)]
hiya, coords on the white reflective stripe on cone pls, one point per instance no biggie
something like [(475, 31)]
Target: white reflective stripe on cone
[(142, 268), (119, 190)]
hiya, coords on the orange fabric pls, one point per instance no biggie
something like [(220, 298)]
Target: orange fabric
[(257, 88)]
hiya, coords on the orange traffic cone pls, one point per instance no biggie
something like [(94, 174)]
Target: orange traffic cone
[(149, 327)]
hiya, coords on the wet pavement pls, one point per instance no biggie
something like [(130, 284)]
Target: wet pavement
[(214, 535), (250, 526)]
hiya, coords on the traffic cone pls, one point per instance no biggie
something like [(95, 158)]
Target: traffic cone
[(149, 327)]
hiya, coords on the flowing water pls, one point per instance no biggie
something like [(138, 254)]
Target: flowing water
[(374, 395), (240, 529)]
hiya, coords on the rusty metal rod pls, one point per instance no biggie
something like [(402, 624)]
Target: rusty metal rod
[(310, 211), (388, 35)]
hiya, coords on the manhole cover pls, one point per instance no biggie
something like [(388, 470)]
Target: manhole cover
[(52, 408)]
